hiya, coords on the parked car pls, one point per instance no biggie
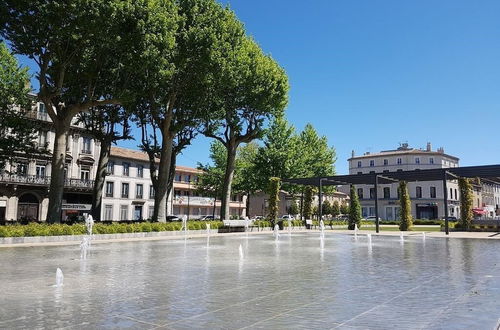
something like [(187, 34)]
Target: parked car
[(173, 218), (288, 217), (451, 218), (257, 217), (207, 218), (372, 218)]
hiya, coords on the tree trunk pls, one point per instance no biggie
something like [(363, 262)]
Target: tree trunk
[(56, 189), (100, 176), (171, 176), (160, 207), (228, 179)]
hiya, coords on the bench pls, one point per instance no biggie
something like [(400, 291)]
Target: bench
[(235, 226), (309, 224)]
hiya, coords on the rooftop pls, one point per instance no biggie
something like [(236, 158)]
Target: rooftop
[(404, 149)]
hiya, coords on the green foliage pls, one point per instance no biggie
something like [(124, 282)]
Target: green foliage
[(405, 217), (294, 208), (326, 208), (273, 191), (43, 229), (354, 209), (344, 208), (307, 208), (16, 133), (466, 202), (335, 209), (287, 154)]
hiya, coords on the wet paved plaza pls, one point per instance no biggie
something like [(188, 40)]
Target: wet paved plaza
[(296, 282)]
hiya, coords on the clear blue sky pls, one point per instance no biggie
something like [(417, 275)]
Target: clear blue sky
[(371, 74)]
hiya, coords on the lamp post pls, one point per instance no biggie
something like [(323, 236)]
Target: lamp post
[(189, 193)]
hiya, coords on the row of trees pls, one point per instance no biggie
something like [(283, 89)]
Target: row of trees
[(176, 68), (284, 153)]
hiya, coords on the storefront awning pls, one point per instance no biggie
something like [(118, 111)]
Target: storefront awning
[(479, 211)]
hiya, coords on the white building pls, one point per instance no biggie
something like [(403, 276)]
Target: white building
[(426, 197), (128, 192)]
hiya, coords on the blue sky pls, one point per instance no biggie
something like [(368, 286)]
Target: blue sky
[(371, 74)]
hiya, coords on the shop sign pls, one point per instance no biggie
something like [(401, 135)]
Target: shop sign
[(81, 207)]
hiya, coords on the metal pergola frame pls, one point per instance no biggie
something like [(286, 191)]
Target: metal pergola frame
[(488, 172)]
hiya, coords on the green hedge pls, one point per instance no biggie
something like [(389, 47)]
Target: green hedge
[(36, 229)]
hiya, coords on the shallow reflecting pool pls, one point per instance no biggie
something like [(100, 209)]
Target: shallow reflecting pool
[(298, 281)]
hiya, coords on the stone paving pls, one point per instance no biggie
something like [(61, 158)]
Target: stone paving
[(299, 281)]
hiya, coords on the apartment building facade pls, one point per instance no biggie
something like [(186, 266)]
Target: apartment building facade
[(427, 197), (24, 183), (128, 192), (129, 195)]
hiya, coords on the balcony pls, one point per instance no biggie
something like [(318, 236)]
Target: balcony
[(86, 152), (44, 181), (38, 115)]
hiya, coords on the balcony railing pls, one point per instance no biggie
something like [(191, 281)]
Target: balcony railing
[(38, 115), (44, 180)]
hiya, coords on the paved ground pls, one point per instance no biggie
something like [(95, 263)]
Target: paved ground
[(235, 281)]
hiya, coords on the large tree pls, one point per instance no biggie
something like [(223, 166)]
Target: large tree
[(211, 181), (86, 52), (108, 125), (178, 77), (251, 88), (17, 135)]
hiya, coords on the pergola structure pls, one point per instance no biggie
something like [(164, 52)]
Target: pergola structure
[(488, 172)]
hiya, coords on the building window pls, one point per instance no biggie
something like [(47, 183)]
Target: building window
[(386, 162), (400, 161), (359, 163), (86, 147), (433, 192), (85, 173), (139, 191), (417, 160), (360, 172), (124, 212), (40, 171), (151, 191), (151, 211), (372, 193), (187, 178), (431, 160), (22, 169), (451, 194), (399, 170), (177, 193), (372, 172), (126, 169), (41, 108), (386, 171), (456, 195), (125, 190), (42, 139), (419, 192), (178, 177), (372, 163), (387, 192), (110, 187), (140, 171), (108, 212), (111, 167), (360, 193)]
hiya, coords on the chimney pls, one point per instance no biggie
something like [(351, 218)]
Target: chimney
[(429, 146), (352, 154)]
